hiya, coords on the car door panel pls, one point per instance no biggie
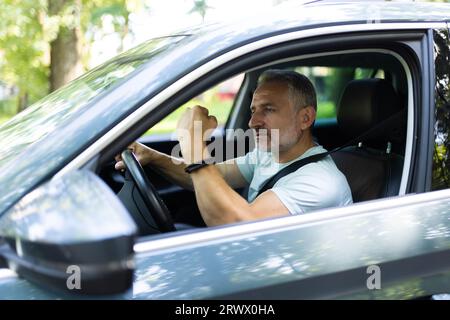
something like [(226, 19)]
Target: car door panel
[(308, 257)]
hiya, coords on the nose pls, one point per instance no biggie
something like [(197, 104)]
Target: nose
[(256, 121)]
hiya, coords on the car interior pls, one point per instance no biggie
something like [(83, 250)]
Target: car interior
[(360, 94)]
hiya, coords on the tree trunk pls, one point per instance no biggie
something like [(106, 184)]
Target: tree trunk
[(22, 102), (65, 51), (123, 34)]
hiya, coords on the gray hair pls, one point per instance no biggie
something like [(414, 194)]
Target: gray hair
[(300, 89)]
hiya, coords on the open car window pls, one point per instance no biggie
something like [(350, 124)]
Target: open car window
[(329, 82), (219, 100), (331, 75)]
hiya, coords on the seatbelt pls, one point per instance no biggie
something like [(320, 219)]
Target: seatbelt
[(317, 157)]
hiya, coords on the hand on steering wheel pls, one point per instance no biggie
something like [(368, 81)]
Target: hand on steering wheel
[(152, 200)]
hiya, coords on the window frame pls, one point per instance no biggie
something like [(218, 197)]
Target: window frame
[(412, 103), (235, 65)]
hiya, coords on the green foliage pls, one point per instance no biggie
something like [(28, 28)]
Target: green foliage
[(94, 10), (22, 46), (115, 10), (326, 110), (200, 7), (7, 109), (27, 28)]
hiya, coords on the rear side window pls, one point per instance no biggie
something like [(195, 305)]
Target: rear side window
[(329, 83)]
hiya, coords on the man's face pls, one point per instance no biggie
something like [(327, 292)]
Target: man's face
[(277, 123)]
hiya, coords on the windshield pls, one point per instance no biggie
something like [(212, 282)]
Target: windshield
[(47, 134), (51, 112)]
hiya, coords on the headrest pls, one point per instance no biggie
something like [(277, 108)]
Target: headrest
[(364, 103)]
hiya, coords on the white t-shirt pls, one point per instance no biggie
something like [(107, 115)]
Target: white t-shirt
[(316, 185)]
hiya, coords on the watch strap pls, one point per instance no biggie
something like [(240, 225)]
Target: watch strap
[(196, 166)]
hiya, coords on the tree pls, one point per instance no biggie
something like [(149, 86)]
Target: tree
[(65, 49), (200, 7), (23, 47), (45, 43)]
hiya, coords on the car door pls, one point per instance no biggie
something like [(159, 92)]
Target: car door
[(333, 253)]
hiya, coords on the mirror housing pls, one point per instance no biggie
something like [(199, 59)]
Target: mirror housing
[(72, 234)]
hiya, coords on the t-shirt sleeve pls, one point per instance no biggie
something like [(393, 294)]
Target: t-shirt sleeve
[(246, 165)]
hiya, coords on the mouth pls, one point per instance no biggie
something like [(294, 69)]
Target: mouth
[(262, 137)]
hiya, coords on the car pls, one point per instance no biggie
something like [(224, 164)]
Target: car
[(71, 225)]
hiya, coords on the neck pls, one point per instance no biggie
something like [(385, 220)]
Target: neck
[(306, 142)]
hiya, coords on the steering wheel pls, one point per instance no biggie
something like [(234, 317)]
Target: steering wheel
[(152, 200)]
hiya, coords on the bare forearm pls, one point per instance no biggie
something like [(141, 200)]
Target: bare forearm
[(217, 201), (172, 168)]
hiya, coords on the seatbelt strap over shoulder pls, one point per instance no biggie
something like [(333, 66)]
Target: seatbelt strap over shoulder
[(291, 168)]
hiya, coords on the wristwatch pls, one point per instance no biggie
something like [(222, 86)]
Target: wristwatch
[(195, 166)]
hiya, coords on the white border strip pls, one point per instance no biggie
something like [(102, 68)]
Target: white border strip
[(123, 126)]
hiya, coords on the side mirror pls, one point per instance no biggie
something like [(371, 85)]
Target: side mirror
[(72, 234)]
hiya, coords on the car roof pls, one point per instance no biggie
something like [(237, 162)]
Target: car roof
[(323, 12), (314, 13), (219, 37)]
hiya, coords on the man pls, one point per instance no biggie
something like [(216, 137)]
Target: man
[(283, 111)]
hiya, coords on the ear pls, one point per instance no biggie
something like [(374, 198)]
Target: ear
[(307, 117)]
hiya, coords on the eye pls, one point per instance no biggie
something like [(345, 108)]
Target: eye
[(269, 109)]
